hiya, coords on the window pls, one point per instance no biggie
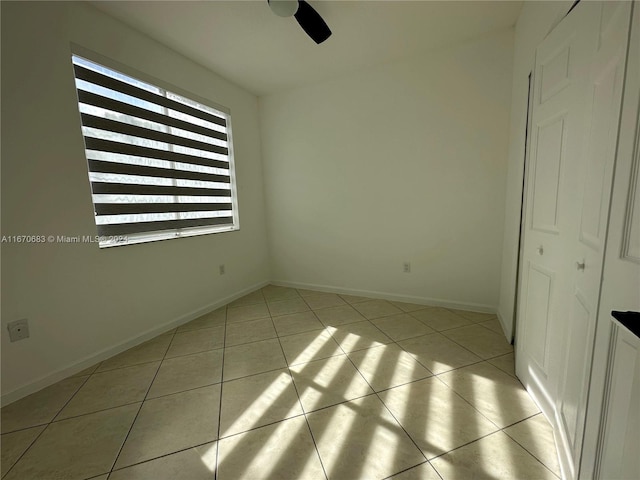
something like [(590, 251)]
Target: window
[(160, 164)]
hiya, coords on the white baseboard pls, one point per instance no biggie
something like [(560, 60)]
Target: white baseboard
[(90, 360), (428, 301), (102, 355)]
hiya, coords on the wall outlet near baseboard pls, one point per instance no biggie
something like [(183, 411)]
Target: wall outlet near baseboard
[(221, 269), (406, 267), (18, 329)]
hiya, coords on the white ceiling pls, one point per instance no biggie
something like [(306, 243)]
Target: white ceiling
[(246, 43)]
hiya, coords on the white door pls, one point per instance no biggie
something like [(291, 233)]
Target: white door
[(585, 255), (557, 126), (621, 278), (578, 79)]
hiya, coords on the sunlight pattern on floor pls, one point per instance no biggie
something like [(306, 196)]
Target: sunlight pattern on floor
[(292, 384)]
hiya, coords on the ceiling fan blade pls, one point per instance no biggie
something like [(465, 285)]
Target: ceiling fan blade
[(312, 23)]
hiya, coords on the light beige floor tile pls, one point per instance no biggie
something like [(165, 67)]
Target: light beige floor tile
[(481, 341), (438, 353), (335, 316), (284, 307), (87, 371), (111, 389), (308, 346), (40, 407), (401, 327), (150, 351), (284, 450), (435, 417), (196, 341), (101, 477), (175, 422), (440, 319), (409, 307), (376, 309), (506, 363), (475, 317), (251, 331), (379, 446), (252, 358), (216, 318), (352, 299), (327, 382), (358, 336), (387, 366), (493, 325), (247, 312), (495, 457), (273, 293), (297, 323), (422, 472), (187, 372), (250, 299), (316, 302), (198, 463), (15, 444), (256, 401), (498, 396), (536, 436), (76, 448), (306, 293)]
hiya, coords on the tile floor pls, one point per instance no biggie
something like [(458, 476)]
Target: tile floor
[(292, 384)]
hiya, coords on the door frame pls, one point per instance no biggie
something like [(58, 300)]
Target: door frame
[(523, 206), (589, 463)]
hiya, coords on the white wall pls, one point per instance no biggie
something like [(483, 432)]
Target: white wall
[(535, 21), (401, 162), (81, 300)]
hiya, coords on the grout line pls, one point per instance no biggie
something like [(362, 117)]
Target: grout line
[(236, 322), (462, 446), (295, 387), (46, 424), (316, 410), (385, 405), (97, 411), (22, 429), (224, 437), (528, 451), (509, 436), (192, 353), (224, 350), (156, 458), (246, 304), (471, 405), (70, 398), (141, 404), (390, 477), (27, 449)]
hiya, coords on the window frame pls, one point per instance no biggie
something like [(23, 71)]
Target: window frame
[(174, 233)]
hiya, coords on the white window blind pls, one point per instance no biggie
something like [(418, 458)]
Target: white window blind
[(160, 164)]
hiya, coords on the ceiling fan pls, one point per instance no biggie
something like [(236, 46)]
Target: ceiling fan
[(310, 20)]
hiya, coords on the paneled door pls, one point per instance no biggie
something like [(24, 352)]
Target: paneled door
[(550, 223), (616, 454), (578, 80), (585, 255)]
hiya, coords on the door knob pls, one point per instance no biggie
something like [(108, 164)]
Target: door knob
[(580, 265), (540, 250)]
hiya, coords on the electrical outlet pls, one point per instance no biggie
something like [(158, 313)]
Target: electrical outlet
[(406, 267), (221, 269), (18, 330)]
